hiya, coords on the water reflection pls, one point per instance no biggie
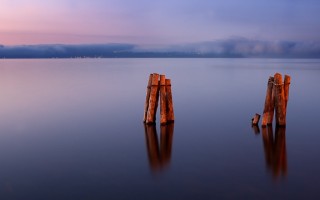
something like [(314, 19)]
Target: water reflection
[(159, 156), (255, 129), (275, 150)]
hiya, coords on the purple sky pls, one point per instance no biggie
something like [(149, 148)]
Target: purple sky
[(156, 22)]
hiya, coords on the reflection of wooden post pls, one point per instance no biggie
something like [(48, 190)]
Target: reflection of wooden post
[(166, 142), (159, 156), (152, 146), (170, 113), (275, 150), (281, 150), (256, 129), (153, 100), (268, 105), (163, 100), (146, 105), (280, 106), (287, 80), (255, 119)]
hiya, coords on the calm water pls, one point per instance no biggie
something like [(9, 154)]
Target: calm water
[(72, 129)]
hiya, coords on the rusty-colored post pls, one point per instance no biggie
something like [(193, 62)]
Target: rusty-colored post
[(153, 100), (255, 119), (268, 103), (287, 80), (146, 105), (163, 100), (280, 106), (272, 102), (170, 112)]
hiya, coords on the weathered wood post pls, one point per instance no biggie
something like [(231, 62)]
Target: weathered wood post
[(280, 106), (272, 102), (170, 112), (268, 105), (287, 80), (163, 100), (153, 100), (255, 119), (146, 105)]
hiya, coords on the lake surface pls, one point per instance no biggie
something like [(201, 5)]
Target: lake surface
[(72, 129)]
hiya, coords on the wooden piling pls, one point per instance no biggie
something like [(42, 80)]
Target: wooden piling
[(272, 102), (163, 100), (268, 105), (153, 100), (146, 105), (280, 106), (287, 80), (255, 119), (170, 112)]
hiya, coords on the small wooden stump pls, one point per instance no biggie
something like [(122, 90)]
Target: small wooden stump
[(170, 113), (280, 105), (153, 100), (268, 105), (255, 119)]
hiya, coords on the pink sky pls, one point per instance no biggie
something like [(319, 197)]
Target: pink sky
[(150, 22)]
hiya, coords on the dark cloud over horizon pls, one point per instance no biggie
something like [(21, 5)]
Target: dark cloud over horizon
[(234, 47)]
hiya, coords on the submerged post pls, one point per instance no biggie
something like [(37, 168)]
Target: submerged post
[(153, 100), (268, 105), (280, 106), (146, 105), (163, 100), (170, 113)]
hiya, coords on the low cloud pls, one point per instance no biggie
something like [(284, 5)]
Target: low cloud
[(63, 51), (234, 47), (242, 47)]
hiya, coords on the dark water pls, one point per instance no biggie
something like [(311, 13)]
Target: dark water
[(72, 129)]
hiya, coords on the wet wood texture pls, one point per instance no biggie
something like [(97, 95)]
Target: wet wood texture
[(255, 119), (163, 100), (146, 105), (287, 80), (280, 105), (268, 105), (170, 112), (153, 100)]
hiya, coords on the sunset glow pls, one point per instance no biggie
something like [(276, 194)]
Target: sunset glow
[(149, 22)]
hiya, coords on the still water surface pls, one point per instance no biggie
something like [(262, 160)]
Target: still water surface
[(72, 129)]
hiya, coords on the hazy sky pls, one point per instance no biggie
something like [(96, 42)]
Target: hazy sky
[(156, 22)]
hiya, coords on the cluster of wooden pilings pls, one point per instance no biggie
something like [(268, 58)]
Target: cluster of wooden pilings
[(276, 101), (158, 85)]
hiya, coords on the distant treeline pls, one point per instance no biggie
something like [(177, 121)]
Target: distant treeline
[(231, 48)]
